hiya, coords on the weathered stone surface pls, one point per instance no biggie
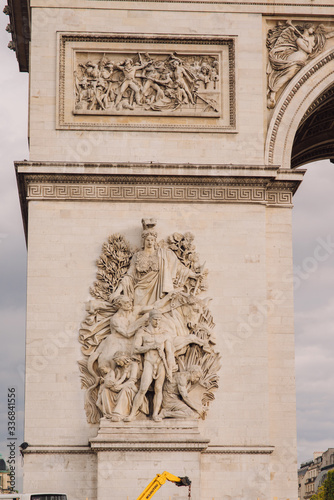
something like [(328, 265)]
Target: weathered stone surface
[(97, 167)]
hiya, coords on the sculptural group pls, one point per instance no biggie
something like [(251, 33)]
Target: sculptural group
[(148, 83), (148, 340)]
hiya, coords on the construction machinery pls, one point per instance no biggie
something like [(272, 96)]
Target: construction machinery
[(160, 480)]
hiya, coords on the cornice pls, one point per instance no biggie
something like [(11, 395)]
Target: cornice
[(19, 27), (148, 446), (239, 450), (270, 7), (158, 183), (62, 450)]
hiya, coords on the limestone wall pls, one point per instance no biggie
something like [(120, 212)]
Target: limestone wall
[(243, 246), (196, 171)]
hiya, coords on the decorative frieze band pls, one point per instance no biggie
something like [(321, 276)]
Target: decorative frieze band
[(157, 193), (62, 181)]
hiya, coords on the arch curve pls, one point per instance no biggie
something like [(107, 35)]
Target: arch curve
[(303, 90)]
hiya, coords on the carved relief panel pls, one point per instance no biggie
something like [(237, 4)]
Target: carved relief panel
[(291, 45), (133, 83), (147, 341), (155, 82)]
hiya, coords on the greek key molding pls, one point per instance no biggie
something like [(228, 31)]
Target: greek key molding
[(302, 80), (157, 193), (173, 183), (105, 43), (245, 186)]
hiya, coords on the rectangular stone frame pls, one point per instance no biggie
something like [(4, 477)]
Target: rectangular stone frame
[(70, 44)]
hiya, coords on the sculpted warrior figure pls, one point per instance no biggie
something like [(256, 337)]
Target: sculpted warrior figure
[(152, 77), (158, 363), (129, 71), (182, 77)]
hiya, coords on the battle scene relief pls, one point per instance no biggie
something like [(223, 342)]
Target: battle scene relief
[(148, 340), (141, 83)]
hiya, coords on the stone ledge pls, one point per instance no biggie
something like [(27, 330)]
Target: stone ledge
[(145, 435), (197, 446), (42, 449), (162, 183), (222, 450)]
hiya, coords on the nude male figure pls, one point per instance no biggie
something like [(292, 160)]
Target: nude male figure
[(158, 363)]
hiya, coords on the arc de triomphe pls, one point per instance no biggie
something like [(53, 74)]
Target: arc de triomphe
[(164, 140)]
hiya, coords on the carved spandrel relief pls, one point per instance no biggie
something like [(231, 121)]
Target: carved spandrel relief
[(135, 83), (290, 47), (148, 340)]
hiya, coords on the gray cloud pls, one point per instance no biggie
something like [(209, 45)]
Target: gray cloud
[(313, 217)]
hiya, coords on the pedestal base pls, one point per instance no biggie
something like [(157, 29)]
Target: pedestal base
[(131, 454)]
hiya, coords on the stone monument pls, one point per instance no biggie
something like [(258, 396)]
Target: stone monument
[(157, 205)]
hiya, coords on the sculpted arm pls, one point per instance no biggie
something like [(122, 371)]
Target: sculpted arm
[(129, 378), (127, 283), (305, 45), (138, 347)]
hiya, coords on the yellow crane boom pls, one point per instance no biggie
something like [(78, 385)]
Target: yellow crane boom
[(159, 481)]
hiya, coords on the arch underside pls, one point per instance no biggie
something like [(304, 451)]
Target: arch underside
[(314, 139), (301, 129)]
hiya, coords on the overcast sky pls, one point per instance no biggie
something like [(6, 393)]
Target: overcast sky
[(314, 271)]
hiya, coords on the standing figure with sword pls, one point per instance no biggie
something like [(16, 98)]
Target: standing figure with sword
[(158, 363)]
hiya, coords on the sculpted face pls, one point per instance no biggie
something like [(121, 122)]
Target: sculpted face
[(150, 241), (126, 304), (104, 370), (155, 321)]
